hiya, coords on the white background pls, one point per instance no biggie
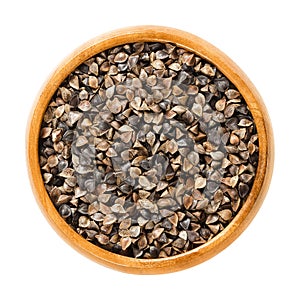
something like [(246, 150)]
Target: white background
[(262, 37)]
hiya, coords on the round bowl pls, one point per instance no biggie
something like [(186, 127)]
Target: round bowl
[(232, 72)]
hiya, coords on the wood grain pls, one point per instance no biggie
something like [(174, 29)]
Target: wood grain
[(231, 71)]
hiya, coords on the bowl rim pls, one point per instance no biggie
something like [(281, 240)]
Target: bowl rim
[(231, 71)]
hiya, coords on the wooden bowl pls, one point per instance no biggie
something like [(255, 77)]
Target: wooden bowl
[(232, 72)]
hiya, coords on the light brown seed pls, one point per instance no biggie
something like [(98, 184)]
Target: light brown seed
[(86, 123), (229, 110), (212, 219), (111, 152), (188, 59), (234, 140), (47, 177), (193, 236), (161, 185), (134, 172), (234, 180), (157, 232), (197, 109), (59, 111), (114, 105), (245, 122), (217, 155), (81, 141), (85, 105), (63, 199), (109, 219), (83, 95), (52, 161), (103, 145), (161, 54), (93, 207), (187, 165), (208, 70), (118, 208), (193, 157), (225, 214), (125, 224), (192, 90), (220, 104), (178, 243), (144, 181), (94, 69), (65, 94), (74, 82), (142, 242), (183, 235), (104, 209), (234, 159), (214, 228), (84, 221), (200, 182), (74, 116), (187, 201), (121, 57), (157, 64), (175, 67), (135, 231), (45, 132), (57, 134), (171, 146), (232, 94), (125, 242), (246, 177), (150, 138), (102, 239), (93, 82)]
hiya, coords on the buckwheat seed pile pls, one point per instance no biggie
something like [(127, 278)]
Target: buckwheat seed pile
[(147, 150)]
